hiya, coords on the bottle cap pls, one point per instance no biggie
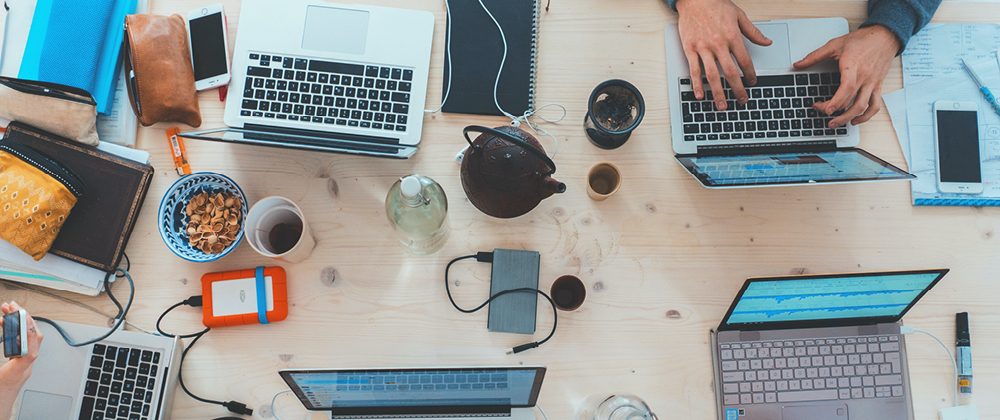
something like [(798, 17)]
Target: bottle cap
[(410, 186)]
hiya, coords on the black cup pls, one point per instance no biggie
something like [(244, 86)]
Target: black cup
[(615, 109), (568, 293)]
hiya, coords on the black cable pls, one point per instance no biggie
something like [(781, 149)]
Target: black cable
[(120, 318), (128, 264), (488, 257), (196, 301)]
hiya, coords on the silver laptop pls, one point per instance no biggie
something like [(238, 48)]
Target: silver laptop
[(127, 376), (328, 77), (425, 393), (751, 145), (818, 347)]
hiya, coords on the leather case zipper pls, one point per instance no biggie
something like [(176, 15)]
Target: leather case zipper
[(46, 164)]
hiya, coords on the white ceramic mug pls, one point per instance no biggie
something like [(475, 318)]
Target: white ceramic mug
[(268, 213)]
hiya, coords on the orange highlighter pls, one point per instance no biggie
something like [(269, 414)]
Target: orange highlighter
[(178, 152)]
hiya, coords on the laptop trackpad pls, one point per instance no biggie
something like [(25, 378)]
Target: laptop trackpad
[(815, 412), (330, 29), (43, 406), (775, 56)]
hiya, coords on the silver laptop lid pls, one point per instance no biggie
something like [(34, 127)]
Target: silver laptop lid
[(368, 65), (790, 168), (827, 300), (416, 391)]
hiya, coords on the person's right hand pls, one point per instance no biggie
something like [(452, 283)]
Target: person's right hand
[(710, 31)]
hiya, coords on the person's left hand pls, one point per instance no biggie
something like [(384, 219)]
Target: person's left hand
[(865, 57), (16, 371)]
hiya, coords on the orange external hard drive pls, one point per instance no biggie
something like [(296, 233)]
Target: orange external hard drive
[(253, 296)]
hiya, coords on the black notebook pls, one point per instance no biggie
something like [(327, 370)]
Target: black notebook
[(476, 51), (97, 229)]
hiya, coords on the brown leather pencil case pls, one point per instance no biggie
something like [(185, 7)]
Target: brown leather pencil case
[(159, 72)]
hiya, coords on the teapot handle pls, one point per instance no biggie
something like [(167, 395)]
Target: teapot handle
[(513, 139)]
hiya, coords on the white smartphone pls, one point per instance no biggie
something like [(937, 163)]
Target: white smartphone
[(956, 135), (209, 47), (15, 334)]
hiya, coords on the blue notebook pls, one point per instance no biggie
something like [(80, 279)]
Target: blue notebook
[(77, 43)]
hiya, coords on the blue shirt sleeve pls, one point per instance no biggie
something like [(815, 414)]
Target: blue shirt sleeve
[(903, 17)]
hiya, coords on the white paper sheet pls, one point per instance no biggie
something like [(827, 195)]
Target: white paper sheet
[(933, 71), (51, 271), (895, 103)]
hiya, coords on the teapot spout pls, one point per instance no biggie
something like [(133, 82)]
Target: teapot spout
[(551, 186)]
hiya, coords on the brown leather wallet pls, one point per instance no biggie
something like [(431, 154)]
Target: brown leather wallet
[(158, 69)]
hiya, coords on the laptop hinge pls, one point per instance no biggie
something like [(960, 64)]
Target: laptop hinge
[(761, 148), (323, 134)]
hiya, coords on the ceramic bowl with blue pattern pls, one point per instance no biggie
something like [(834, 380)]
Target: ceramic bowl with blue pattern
[(173, 218)]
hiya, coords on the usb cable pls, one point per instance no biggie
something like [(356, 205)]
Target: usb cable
[(488, 258)]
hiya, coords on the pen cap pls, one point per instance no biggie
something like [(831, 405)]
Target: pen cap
[(962, 329)]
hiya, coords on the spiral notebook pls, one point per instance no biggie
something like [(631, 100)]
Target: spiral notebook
[(476, 52)]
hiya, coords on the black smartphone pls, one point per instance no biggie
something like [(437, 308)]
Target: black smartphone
[(15, 334)]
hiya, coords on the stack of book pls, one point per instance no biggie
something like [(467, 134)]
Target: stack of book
[(92, 241)]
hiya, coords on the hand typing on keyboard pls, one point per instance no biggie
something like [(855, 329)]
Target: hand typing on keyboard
[(711, 30), (864, 57), (16, 371)]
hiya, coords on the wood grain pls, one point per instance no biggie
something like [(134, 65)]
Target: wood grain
[(662, 258)]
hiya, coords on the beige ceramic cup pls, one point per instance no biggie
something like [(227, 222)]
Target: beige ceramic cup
[(265, 216), (603, 180)]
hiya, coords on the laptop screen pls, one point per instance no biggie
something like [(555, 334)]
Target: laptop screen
[(841, 165), (839, 299), (416, 391)]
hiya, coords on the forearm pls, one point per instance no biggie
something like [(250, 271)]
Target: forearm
[(903, 17), (7, 399)]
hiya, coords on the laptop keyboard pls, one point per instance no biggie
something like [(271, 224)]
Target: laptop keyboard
[(811, 370), (778, 107), (327, 93), (120, 383)]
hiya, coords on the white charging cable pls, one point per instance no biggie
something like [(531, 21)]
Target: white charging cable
[(954, 365), (274, 411), (541, 411), (447, 51)]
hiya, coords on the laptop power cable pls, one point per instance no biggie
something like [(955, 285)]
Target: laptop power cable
[(195, 302), (487, 257)]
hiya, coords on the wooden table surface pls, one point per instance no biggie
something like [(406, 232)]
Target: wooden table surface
[(662, 259)]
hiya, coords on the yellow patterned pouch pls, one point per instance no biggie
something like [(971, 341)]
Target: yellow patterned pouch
[(36, 196)]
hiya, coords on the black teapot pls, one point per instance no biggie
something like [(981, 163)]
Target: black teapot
[(505, 172)]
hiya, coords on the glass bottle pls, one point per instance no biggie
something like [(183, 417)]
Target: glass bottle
[(418, 211), (615, 407)]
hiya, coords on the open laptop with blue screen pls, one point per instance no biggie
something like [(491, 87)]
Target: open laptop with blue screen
[(425, 393), (776, 138), (818, 347)]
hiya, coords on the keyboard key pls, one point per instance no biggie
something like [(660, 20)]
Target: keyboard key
[(86, 408), (286, 62), (814, 395), (90, 389), (396, 74), (407, 75), (301, 64)]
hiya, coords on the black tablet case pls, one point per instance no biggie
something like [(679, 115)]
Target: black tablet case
[(476, 51)]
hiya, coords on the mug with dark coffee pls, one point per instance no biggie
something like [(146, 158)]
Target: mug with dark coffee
[(276, 228), (568, 293)]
